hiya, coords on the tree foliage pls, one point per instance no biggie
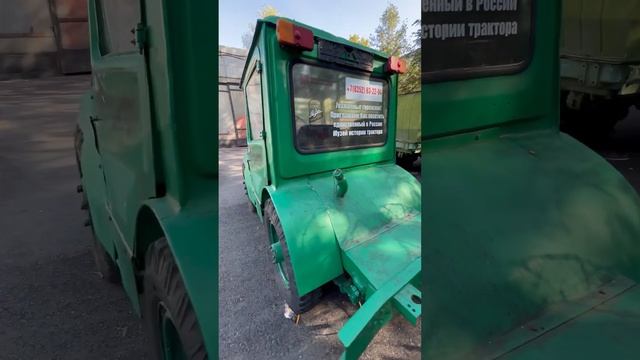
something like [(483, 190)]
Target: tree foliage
[(391, 37), (411, 80), (267, 10), (247, 37), (391, 34), (359, 39)]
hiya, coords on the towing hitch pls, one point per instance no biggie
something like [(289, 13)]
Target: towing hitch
[(396, 295)]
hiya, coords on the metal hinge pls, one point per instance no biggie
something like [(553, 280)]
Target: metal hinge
[(141, 37), (259, 67), (263, 134)]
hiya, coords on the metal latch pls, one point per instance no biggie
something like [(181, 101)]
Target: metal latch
[(140, 40)]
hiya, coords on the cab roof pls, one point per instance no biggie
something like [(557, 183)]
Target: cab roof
[(317, 33)]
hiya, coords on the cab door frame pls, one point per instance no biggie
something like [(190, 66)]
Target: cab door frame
[(256, 158), (122, 127)]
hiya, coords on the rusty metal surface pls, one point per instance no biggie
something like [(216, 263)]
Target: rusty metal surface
[(69, 20)]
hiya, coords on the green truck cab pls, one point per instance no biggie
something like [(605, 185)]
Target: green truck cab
[(533, 242), (147, 155), (600, 61), (319, 171)]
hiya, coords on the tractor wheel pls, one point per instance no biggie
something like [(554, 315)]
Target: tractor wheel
[(246, 192), (595, 121), (167, 310), (406, 161), (277, 240)]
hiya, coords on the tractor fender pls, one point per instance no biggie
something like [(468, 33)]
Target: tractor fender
[(313, 250), (191, 233)]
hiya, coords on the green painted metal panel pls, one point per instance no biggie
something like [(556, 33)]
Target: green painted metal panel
[(256, 156), (377, 197), (614, 322), (123, 124), (377, 233), (520, 217), (278, 117), (321, 223), (547, 221), (182, 68), (151, 138), (119, 122), (315, 255), (93, 183), (374, 264)]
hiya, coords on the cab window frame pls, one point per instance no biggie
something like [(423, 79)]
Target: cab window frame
[(105, 44), (466, 73), (344, 69), (255, 70)]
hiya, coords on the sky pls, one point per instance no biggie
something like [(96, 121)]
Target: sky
[(339, 17)]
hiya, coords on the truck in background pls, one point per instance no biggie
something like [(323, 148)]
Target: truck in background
[(408, 132), (599, 63)]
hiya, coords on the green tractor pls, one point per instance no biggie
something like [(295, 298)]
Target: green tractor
[(532, 248), (320, 172), (147, 155), (600, 62)]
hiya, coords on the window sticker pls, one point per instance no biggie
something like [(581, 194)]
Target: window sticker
[(335, 110), (363, 90)]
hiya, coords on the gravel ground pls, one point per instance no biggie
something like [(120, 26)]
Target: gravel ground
[(53, 305)]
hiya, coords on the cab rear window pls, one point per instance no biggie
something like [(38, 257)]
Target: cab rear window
[(471, 38), (336, 110)]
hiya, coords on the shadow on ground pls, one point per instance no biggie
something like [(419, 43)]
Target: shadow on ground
[(621, 147), (53, 305)]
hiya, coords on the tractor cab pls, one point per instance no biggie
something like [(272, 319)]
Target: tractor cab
[(318, 102), (320, 173), (533, 243)]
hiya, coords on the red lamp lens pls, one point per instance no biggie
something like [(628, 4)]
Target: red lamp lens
[(292, 35), (396, 65)]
